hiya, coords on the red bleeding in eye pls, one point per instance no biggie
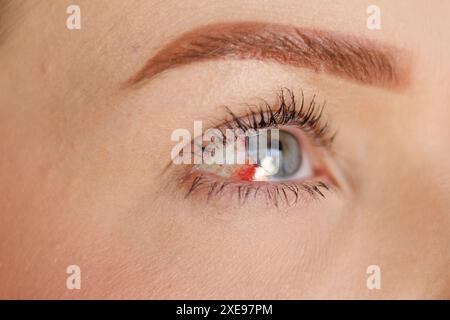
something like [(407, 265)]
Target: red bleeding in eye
[(247, 172)]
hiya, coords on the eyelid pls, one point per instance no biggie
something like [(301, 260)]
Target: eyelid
[(306, 115), (206, 187)]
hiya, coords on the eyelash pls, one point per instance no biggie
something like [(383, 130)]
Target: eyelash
[(290, 193), (307, 117)]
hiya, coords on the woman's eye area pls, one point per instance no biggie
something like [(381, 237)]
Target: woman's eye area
[(272, 155), (278, 152)]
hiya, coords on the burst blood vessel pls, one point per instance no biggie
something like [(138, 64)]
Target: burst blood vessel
[(246, 173)]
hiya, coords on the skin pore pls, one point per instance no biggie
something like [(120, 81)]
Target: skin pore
[(84, 156)]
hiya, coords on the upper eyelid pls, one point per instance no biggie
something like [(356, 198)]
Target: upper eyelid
[(308, 111)]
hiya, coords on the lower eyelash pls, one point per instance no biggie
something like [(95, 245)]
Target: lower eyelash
[(274, 193)]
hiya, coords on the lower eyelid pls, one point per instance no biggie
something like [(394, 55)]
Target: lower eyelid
[(203, 187)]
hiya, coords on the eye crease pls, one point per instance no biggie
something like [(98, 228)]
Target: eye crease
[(287, 169)]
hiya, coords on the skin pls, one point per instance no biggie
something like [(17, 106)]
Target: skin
[(82, 159)]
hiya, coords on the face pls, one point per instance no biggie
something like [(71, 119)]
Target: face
[(92, 122)]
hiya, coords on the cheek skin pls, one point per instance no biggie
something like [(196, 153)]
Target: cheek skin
[(217, 253)]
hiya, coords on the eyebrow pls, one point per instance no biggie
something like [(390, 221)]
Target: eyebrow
[(321, 51)]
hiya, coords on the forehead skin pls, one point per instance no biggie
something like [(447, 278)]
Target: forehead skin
[(80, 159)]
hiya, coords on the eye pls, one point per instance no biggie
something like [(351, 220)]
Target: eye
[(277, 153), (274, 155)]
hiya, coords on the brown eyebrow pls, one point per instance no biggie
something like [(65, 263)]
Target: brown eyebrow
[(346, 56)]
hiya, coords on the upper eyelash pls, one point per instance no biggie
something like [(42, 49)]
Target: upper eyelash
[(306, 116)]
